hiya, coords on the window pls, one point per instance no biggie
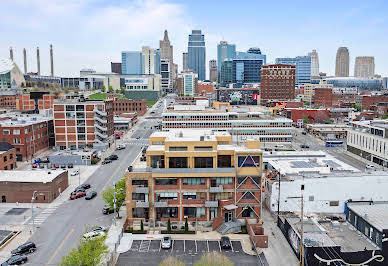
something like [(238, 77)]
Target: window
[(216, 181), (158, 143), (203, 162), (138, 196), (178, 149), (6, 132), (248, 161), (166, 196), (221, 196), (203, 148), (80, 107), (11, 156), (224, 161), (80, 115), (178, 162), (166, 181), (70, 108), (81, 136), (192, 181), (4, 158), (194, 195), (70, 115), (18, 149), (169, 212), (157, 161), (334, 203), (16, 141), (194, 212), (248, 213), (5, 167), (311, 198), (248, 195), (139, 182), (16, 132)]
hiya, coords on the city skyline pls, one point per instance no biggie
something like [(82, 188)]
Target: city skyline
[(103, 32)]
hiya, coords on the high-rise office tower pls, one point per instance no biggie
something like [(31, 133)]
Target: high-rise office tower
[(185, 62), (166, 53), (342, 62), (197, 53), (364, 66), (314, 63), (187, 83), (213, 70), (225, 51), (157, 61), (148, 57), (115, 68), (131, 62), (302, 70), (252, 53)]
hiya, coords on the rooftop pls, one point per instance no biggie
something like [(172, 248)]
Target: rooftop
[(35, 176), (375, 214), (5, 146), (16, 120), (6, 65)]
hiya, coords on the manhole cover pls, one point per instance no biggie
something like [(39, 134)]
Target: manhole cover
[(16, 211)]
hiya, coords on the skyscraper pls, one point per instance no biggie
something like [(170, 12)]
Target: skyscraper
[(246, 70), (166, 53), (342, 62), (148, 57), (197, 53), (131, 62), (213, 70), (302, 70), (157, 61), (364, 66), (225, 51), (185, 62), (314, 63), (252, 53)]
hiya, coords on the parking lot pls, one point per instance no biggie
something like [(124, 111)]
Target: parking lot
[(150, 252)]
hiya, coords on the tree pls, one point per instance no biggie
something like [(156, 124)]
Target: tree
[(385, 116), (186, 225), (355, 106), (171, 261), (92, 89), (305, 119), (66, 90), (108, 195), (122, 90), (141, 226), (88, 252), (169, 225), (214, 259), (110, 90), (103, 88)]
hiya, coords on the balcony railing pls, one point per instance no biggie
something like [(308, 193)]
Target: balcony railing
[(144, 190), (217, 189), (211, 203), (102, 128), (160, 204), (102, 113), (103, 121), (142, 204)]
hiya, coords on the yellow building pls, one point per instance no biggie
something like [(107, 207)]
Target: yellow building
[(195, 174)]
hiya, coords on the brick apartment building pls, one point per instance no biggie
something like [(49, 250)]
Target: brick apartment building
[(325, 97), (368, 102), (205, 87), (35, 101), (277, 83), (312, 115), (81, 123), (121, 106), (29, 134), (198, 175), (7, 156), (8, 99), (19, 186)]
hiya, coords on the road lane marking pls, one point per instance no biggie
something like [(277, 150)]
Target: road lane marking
[(60, 246)]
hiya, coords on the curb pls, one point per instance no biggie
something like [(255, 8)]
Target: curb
[(9, 240)]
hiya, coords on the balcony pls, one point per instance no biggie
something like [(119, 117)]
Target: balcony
[(102, 113), (160, 204), (229, 170), (144, 190), (142, 204), (103, 121), (102, 128), (218, 189), (211, 204), (103, 136)]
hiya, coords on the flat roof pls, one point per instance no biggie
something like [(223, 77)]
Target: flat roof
[(376, 214), (31, 176), (14, 120)]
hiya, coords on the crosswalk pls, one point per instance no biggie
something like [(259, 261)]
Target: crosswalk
[(43, 215)]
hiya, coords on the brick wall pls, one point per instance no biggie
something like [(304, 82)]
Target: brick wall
[(8, 160)]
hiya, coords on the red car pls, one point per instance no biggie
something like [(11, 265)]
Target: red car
[(78, 194)]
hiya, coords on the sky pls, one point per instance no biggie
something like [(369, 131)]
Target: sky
[(92, 33)]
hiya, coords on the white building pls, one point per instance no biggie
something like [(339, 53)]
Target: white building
[(10, 75), (188, 83), (166, 78), (314, 63), (148, 60)]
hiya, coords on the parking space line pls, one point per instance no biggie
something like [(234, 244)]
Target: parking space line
[(184, 246), (172, 246), (207, 241), (196, 249), (141, 243), (219, 245), (160, 246), (231, 244), (149, 244)]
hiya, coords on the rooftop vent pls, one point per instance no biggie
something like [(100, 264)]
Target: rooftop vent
[(202, 138), (180, 134)]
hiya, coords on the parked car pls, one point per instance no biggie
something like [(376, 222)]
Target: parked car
[(70, 165), (93, 234), (27, 247), (74, 173), (113, 157), (225, 243), (98, 229), (63, 166), (130, 168), (304, 133), (56, 165), (15, 260), (85, 186), (106, 161), (166, 242), (107, 209), (120, 147), (304, 146), (370, 167), (34, 165), (41, 166), (138, 137), (90, 195), (77, 194)]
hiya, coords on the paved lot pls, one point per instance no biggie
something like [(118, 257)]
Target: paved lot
[(149, 252), (4, 235)]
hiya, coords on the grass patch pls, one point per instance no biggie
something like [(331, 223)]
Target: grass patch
[(178, 232), (98, 96), (150, 103)]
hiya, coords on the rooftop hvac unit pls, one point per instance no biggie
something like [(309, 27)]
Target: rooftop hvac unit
[(202, 138)]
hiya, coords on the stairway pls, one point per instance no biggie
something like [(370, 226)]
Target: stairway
[(229, 227)]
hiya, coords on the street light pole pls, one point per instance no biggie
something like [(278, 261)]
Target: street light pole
[(114, 203), (32, 209)]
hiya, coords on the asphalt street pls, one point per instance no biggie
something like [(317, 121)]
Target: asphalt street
[(63, 229)]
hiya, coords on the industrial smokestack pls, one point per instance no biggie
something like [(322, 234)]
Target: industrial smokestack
[(10, 53), (25, 60), (52, 60), (38, 60)]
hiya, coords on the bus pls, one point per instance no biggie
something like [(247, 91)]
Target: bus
[(334, 143)]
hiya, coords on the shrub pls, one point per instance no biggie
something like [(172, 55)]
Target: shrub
[(141, 226), (186, 225), (171, 261), (169, 225), (214, 259)]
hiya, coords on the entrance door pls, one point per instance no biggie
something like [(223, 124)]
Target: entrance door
[(3, 199), (228, 216)]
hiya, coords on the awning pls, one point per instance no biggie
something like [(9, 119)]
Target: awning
[(230, 207)]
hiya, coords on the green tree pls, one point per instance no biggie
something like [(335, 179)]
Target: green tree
[(86, 253), (103, 88), (385, 116), (214, 259), (110, 90), (171, 261), (307, 103), (108, 195), (169, 225), (305, 119), (92, 89), (355, 106), (122, 89), (141, 226), (186, 225), (66, 90)]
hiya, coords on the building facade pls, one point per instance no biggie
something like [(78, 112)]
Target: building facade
[(10, 75), (302, 70), (129, 106), (246, 70), (252, 53), (368, 102), (139, 87), (277, 83), (198, 177), (167, 57), (7, 156), (213, 70), (80, 124), (187, 83), (359, 83), (185, 61), (197, 53), (342, 62), (226, 74), (8, 99), (131, 62), (224, 51), (115, 68), (148, 57), (314, 63), (364, 67), (166, 76)]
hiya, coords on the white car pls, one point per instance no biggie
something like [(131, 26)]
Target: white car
[(93, 234), (166, 242), (369, 166), (99, 229), (121, 147), (74, 173)]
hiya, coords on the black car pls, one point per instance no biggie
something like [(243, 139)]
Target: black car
[(107, 209), (304, 133), (82, 187), (90, 195), (15, 260), (27, 247), (106, 161), (225, 243), (113, 157), (304, 146), (130, 168), (63, 166), (70, 165)]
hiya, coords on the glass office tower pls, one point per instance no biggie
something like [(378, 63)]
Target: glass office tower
[(303, 68), (225, 51), (131, 62), (197, 54), (246, 70)]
